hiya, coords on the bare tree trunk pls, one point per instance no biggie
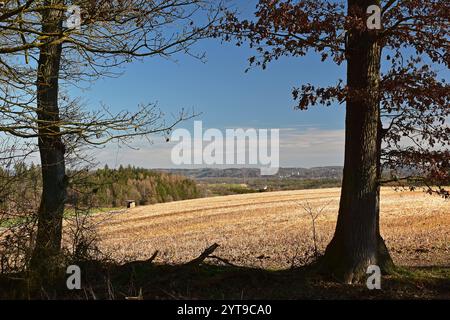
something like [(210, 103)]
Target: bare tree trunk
[(51, 148), (357, 242)]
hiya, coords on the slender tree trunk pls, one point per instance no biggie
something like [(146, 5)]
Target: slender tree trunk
[(51, 148), (357, 242)]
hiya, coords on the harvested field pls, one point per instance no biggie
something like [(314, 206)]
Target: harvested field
[(271, 230)]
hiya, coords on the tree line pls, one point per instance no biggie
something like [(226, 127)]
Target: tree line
[(93, 189), (112, 188)]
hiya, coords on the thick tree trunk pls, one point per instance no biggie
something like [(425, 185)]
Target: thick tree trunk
[(51, 148), (357, 242)]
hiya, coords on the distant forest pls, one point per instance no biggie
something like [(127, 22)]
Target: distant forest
[(113, 187), (97, 188)]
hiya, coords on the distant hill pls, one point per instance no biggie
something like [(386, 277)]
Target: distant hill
[(213, 181), (334, 172)]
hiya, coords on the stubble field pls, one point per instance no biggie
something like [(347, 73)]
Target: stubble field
[(272, 230)]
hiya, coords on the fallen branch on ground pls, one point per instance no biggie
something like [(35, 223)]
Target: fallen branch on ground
[(204, 255), (225, 261)]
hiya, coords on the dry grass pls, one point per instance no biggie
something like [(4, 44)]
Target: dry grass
[(271, 229)]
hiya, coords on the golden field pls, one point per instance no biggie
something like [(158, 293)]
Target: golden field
[(272, 230)]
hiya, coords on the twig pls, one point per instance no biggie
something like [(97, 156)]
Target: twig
[(153, 257)]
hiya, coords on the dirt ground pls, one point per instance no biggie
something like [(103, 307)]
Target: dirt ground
[(272, 230)]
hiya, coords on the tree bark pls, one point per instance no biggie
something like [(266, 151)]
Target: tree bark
[(51, 147), (357, 242), (385, 261)]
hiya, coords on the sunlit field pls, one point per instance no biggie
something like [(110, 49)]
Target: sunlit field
[(272, 230)]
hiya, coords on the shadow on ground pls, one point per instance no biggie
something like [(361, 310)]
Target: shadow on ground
[(145, 280)]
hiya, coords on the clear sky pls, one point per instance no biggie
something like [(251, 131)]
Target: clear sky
[(228, 97)]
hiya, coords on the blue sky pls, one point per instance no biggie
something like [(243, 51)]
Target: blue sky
[(228, 97), (220, 88)]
